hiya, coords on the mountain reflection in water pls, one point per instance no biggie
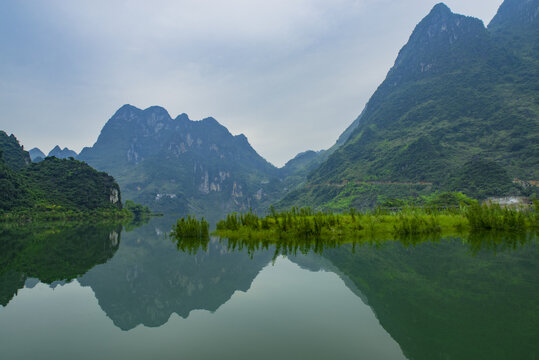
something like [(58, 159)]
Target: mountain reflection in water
[(52, 253), (473, 297)]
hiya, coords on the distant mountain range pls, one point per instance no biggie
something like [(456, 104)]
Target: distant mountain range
[(64, 153), (458, 111), (37, 155)]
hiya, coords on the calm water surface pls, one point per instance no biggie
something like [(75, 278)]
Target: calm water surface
[(103, 291)]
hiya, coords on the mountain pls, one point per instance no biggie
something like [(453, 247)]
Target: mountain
[(72, 184), (181, 165), (36, 155), (13, 153), (457, 95), (57, 183), (517, 19), (301, 162), (64, 153)]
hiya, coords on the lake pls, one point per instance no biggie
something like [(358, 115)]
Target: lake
[(89, 291)]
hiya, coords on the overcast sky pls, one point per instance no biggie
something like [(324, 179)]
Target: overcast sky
[(289, 74)]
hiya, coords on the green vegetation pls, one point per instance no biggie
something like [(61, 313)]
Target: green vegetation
[(72, 184), (191, 234), (467, 216), (452, 115), (54, 213), (190, 227), (13, 154), (494, 217), (139, 211), (56, 189)]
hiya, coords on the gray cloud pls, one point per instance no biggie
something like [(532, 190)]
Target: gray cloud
[(290, 74)]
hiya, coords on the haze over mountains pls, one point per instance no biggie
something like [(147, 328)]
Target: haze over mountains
[(65, 153), (458, 111), (179, 164), (461, 99)]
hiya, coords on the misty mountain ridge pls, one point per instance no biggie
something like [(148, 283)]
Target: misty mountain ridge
[(36, 154), (459, 96), (460, 103), (64, 153), (180, 164)]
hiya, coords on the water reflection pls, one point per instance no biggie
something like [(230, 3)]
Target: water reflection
[(150, 277), (472, 297), (439, 300), (466, 297), (476, 242), (52, 253)]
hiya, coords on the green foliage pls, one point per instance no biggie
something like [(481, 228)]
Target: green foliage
[(190, 227), (442, 213), (435, 200), (494, 217), (139, 211), (447, 199), (15, 157), (482, 178), (461, 115), (55, 189), (413, 224), (72, 184), (15, 193), (191, 235)]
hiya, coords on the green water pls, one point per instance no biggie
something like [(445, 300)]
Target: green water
[(100, 291)]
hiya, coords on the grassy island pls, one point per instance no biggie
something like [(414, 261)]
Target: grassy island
[(305, 223)]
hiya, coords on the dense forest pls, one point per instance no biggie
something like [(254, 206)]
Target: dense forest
[(52, 185)]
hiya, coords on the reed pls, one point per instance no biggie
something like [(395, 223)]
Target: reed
[(190, 227), (407, 221)]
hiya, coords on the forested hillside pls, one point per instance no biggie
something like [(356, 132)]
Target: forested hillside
[(52, 183), (460, 102)]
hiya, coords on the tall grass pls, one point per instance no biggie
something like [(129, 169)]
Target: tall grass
[(191, 234), (416, 223), (408, 221), (494, 217), (190, 227)]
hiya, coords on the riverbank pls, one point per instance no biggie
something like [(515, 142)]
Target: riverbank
[(51, 214)]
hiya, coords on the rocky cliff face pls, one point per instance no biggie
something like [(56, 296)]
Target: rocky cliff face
[(179, 164)]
